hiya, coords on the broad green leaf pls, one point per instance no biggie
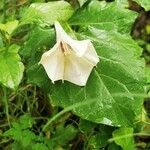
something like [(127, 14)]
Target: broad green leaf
[(33, 45), (11, 71), (109, 16), (47, 13), (124, 138), (122, 3), (113, 85), (144, 3)]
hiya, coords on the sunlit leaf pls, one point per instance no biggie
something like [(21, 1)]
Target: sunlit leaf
[(9, 26), (11, 71), (47, 13), (144, 3), (124, 138)]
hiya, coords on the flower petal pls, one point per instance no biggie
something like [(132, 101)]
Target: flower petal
[(53, 63), (69, 59), (77, 69), (84, 47), (90, 53)]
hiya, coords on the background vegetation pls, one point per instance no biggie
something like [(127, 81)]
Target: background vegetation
[(111, 112)]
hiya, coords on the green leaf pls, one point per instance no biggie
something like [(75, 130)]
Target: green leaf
[(39, 146), (113, 146), (62, 136), (147, 71), (117, 78), (27, 137), (114, 85), (122, 3), (124, 138), (86, 126), (81, 2), (144, 3), (9, 27), (100, 138), (109, 16), (26, 121), (32, 51), (47, 13), (46, 38), (11, 71), (20, 131)]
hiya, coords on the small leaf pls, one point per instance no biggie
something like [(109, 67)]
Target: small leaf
[(20, 131), (100, 138), (11, 71), (47, 13), (26, 121), (62, 136), (27, 138), (124, 138), (9, 27)]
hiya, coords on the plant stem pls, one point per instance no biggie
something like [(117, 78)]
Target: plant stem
[(5, 100), (69, 108), (4, 11)]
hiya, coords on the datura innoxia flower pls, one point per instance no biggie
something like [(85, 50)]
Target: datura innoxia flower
[(69, 59)]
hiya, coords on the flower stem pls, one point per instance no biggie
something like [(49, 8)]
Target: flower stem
[(69, 108)]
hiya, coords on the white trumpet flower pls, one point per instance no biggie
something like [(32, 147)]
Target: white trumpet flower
[(69, 59)]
